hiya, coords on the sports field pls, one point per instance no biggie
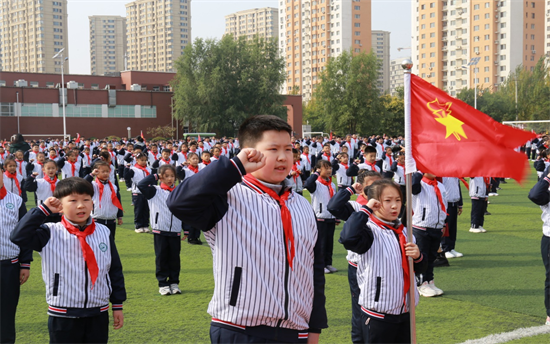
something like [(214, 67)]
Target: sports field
[(496, 287)]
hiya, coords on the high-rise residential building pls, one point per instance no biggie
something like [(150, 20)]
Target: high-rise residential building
[(312, 31), (397, 74), (107, 44), (31, 33), (157, 32), (249, 23), (381, 48), (448, 34)]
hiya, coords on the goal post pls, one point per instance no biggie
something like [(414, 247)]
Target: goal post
[(540, 126)]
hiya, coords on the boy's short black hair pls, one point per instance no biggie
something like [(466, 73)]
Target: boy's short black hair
[(100, 163), (369, 149), (73, 185), (326, 144), (140, 156), (252, 129), (191, 154), (323, 163), (205, 152), (166, 150), (364, 174), (105, 155), (165, 167), (295, 151)]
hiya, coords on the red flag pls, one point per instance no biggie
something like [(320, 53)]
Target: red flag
[(330, 136), (142, 135), (199, 137), (452, 139), (77, 138)]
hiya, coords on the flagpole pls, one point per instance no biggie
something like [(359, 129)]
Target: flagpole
[(409, 169)]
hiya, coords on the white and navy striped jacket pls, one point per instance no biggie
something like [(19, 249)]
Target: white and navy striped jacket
[(135, 175), (254, 284), (66, 168), (40, 186), (340, 171), (12, 209), (162, 220), (427, 212), (478, 188), (452, 186), (540, 195), (10, 184), (379, 272), (107, 211), (35, 167), (320, 196), (69, 290), (398, 173)]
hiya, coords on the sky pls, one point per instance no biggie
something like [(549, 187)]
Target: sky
[(208, 22)]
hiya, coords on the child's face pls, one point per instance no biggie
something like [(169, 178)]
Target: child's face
[(277, 151), (216, 153), (104, 172), (326, 149), (154, 149), (388, 151), (391, 204), (169, 146), (167, 178), (110, 146), (77, 208), (326, 172), (296, 158), (193, 161), (343, 159), (19, 155), (11, 167), (87, 151), (206, 157), (184, 149), (40, 157), (306, 150), (72, 157), (142, 161), (53, 154), (50, 169), (193, 147), (370, 157), (165, 155), (401, 159), (1, 150), (35, 149)]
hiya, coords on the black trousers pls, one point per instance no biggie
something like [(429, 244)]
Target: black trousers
[(326, 234), (428, 242), (111, 224), (495, 183), (141, 211), (448, 243), (356, 323), (120, 171), (528, 152), (79, 330), (479, 206), (9, 297), (377, 330), (167, 259), (128, 183), (225, 335), (545, 253), (533, 154)]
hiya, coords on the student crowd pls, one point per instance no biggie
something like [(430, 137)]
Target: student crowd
[(260, 190)]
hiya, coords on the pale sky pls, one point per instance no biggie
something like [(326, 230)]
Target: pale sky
[(208, 22)]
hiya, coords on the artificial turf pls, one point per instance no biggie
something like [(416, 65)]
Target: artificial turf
[(496, 287)]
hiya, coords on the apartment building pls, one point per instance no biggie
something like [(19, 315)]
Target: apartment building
[(262, 22), (31, 33), (107, 44), (396, 74), (381, 48), (157, 32), (502, 34), (312, 31)]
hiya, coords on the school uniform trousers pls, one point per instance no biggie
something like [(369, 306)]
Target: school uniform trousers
[(79, 330), (448, 242), (479, 206), (326, 229), (545, 253), (167, 257)]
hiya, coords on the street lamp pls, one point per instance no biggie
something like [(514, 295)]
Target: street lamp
[(473, 62), (17, 111), (60, 55), (129, 132)]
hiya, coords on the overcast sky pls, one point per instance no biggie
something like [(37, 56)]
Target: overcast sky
[(208, 22)]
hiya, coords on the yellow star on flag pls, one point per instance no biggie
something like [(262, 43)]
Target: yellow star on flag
[(453, 125)]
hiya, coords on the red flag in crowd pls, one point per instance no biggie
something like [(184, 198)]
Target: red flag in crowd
[(77, 138), (450, 138), (142, 135)]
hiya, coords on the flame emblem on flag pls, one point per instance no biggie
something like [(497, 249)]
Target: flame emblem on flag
[(442, 113)]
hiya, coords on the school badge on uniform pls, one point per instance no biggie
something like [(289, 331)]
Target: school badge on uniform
[(103, 247), (10, 206)]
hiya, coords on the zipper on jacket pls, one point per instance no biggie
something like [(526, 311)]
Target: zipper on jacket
[(287, 266), (171, 220), (85, 285)]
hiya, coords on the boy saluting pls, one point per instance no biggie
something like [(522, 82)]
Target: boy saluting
[(268, 267)]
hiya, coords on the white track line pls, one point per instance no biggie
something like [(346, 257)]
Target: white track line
[(509, 336)]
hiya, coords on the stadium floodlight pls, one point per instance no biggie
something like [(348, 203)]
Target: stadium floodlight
[(60, 55)]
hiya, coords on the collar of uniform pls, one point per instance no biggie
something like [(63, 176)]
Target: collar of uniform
[(394, 224), (278, 188), (89, 222)]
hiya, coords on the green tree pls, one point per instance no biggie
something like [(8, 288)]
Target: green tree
[(219, 83), (347, 96), (393, 119)]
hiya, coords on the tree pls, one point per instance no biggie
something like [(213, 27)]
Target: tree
[(347, 95), (393, 115), (166, 131), (219, 83)]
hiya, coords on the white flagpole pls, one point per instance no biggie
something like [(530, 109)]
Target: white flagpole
[(410, 167)]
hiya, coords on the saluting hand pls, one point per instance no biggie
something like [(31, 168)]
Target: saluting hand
[(251, 159), (358, 187), (54, 205), (375, 205)]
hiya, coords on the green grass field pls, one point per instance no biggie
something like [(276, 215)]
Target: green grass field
[(497, 286)]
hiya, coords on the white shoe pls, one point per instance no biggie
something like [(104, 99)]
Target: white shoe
[(331, 268), (436, 289), (175, 289), (476, 230), (493, 194), (483, 230), (327, 271), (547, 321), (426, 291), (129, 189), (145, 230), (121, 180), (139, 230), (450, 255), (164, 290), (457, 254)]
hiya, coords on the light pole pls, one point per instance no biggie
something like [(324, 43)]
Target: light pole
[(473, 62), (129, 132), (60, 55), (17, 112)]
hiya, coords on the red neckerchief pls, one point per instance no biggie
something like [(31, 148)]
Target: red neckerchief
[(295, 169), (362, 200), (184, 155), (20, 163), (307, 157), (487, 181), (53, 156), (156, 155), (402, 242), (285, 214), (346, 166), (112, 153), (389, 157), (224, 151), (372, 165), (3, 192), (52, 182), (167, 162), (206, 163), (89, 159), (327, 155), (144, 169), (40, 163), (2, 155), (16, 181), (114, 198), (465, 183), (328, 184), (433, 183), (166, 187), (87, 252), (193, 168), (73, 167), (403, 166)]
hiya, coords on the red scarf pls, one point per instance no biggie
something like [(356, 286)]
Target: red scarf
[(295, 169), (328, 184), (3, 192), (206, 163), (114, 199), (465, 183), (362, 200), (404, 170), (144, 169), (87, 252), (433, 183), (404, 263), (372, 165), (112, 154), (73, 167), (53, 156), (52, 182), (389, 157), (89, 159), (328, 156), (224, 151), (20, 163), (166, 187), (285, 214), (193, 168), (14, 177), (487, 181), (167, 162), (307, 157), (184, 154), (2, 155), (346, 166)]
